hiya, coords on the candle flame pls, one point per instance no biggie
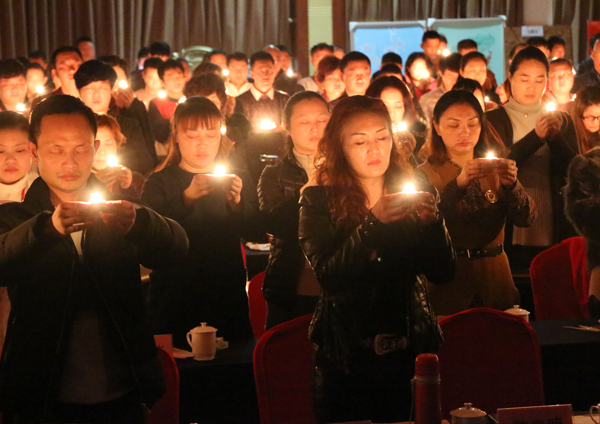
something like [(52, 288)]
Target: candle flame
[(96, 197), (409, 188), (490, 155), (550, 107), (227, 91), (40, 89), (290, 72), (425, 75), (574, 96), (225, 72), (21, 107), (401, 126), (183, 99), (220, 170), (267, 124), (123, 84), (486, 99), (112, 161), (223, 129), (162, 94), (446, 53)]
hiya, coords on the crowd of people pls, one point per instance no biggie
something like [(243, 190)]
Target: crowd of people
[(389, 198)]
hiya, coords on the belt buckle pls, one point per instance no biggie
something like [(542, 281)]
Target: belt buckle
[(386, 343)]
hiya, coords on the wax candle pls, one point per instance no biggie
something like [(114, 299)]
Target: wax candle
[(96, 197), (112, 161), (220, 171), (123, 84), (490, 155), (267, 124), (162, 94), (409, 188), (550, 107)]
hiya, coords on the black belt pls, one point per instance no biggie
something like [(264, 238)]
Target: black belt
[(481, 253)]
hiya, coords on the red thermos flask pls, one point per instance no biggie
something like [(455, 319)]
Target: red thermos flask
[(427, 390)]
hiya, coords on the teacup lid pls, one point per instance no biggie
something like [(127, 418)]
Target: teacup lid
[(468, 411), (515, 310), (203, 329)]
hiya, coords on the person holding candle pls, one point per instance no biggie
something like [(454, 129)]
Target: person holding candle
[(330, 78), (152, 82), (543, 144), (237, 81), (77, 347), (290, 286), (586, 114), (356, 71), (417, 75), (479, 190), (396, 97), (560, 82), (473, 66), (371, 249), (36, 81), (13, 85), (216, 211), (64, 62)]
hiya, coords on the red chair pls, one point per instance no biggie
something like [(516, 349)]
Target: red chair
[(166, 409), (491, 359), (283, 370), (257, 305), (560, 281)]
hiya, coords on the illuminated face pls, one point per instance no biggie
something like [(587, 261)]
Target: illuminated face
[(107, 148), (449, 78), (96, 95), (65, 152), (67, 64), (15, 159), (333, 84), (558, 51), (307, 124), (286, 60), (13, 91), (174, 82), (475, 69), (220, 60), (87, 49), (418, 70), (198, 146), (591, 118), (238, 72), (529, 82), (459, 128), (357, 76), (561, 79), (263, 73), (367, 144), (35, 79), (316, 57), (153, 82), (277, 58), (430, 47), (395, 104)]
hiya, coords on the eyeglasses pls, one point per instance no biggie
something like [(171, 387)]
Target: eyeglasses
[(591, 119)]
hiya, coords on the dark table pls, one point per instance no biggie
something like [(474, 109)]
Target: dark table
[(570, 362), (221, 390)]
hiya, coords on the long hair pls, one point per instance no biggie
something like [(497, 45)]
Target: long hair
[(380, 84), (346, 194), (195, 111), (438, 154), (585, 98)]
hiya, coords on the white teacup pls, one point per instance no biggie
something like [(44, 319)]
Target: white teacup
[(203, 341), (597, 409)]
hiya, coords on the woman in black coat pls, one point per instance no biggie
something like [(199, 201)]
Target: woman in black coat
[(216, 211), (290, 286), (372, 250)]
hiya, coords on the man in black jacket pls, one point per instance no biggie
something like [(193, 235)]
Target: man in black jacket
[(77, 347)]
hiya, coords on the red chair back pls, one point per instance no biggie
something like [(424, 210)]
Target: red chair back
[(491, 359), (560, 281), (257, 305), (283, 370), (166, 409)]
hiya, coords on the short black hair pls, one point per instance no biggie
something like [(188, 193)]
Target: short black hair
[(529, 53), (63, 49), (430, 35), (467, 84), (159, 48), (239, 56), (261, 55), (11, 68), (169, 64), (182, 61), (470, 57), (114, 60), (85, 38), (593, 40), (537, 42), (390, 68), (284, 48), (561, 61), (34, 65), (92, 71), (443, 39), (153, 63), (450, 63), (10, 120), (467, 43), (513, 51), (37, 54), (391, 57), (555, 40), (143, 52), (204, 85), (353, 56), (208, 56), (207, 68), (321, 46), (60, 104)]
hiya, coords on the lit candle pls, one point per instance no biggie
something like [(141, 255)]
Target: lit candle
[(40, 89), (486, 99), (424, 75), (183, 99), (223, 129), (409, 188), (123, 84), (96, 197), (112, 161), (490, 155), (220, 171), (227, 91), (402, 126), (20, 107), (550, 107), (290, 72), (225, 72), (446, 53), (267, 124), (574, 96), (162, 94)]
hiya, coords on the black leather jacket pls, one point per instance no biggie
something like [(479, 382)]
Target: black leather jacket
[(278, 192), (42, 273), (373, 278)]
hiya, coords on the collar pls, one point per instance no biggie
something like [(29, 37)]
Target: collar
[(512, 104), (258, 94)]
